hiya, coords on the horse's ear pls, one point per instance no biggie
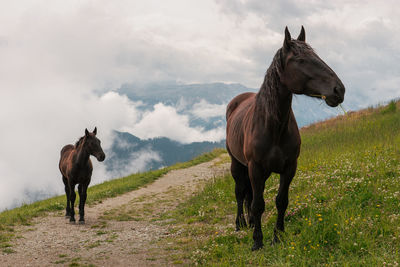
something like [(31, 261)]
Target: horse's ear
[(95, 130), (288, 39), (302, 35), (86, 132)]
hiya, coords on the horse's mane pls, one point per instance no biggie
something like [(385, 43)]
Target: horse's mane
[(79, 142), (269, 88)]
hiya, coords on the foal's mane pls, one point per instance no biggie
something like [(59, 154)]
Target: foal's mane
[(79, 142)]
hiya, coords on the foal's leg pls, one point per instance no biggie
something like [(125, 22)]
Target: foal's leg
[(82, 189), (72, 199), (257, 177), (68, 209), (239, 173), (282, 199)]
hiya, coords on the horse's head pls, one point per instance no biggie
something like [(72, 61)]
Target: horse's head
[(303, 72), (92, 144)]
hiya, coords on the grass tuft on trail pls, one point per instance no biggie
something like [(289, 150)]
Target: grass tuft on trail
[(344, 203)]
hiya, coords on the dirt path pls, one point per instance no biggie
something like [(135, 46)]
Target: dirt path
[(120, 231)]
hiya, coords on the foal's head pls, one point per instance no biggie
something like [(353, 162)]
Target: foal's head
[(303, 72), (92, 145)]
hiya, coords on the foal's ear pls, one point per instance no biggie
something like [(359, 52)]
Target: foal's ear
[(302, 35), (86, 132), (95, 130), (288, 39)]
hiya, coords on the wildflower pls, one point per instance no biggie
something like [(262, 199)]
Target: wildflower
[(320, 219)]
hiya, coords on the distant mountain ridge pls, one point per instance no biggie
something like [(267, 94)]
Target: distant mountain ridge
[(171, 93), (307, 109)]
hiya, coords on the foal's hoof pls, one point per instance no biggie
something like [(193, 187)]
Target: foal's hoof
[(257, 246), (72, 220), (82, 222)]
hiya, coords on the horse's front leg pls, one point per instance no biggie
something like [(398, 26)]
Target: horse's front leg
[(67, 193), (282, 199), (257, 178), (239, 174), (82, 189)]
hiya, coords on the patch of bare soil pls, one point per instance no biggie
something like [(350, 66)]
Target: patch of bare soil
[(120, 231)]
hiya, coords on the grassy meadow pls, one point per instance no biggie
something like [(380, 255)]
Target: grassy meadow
[(344, 203)]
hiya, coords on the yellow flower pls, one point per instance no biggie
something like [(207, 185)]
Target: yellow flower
[(320, 219)]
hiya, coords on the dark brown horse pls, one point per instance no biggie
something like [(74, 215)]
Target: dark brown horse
[(262, 134), (76, 168)]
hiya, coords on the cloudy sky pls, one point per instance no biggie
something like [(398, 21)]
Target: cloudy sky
[(61, 63)]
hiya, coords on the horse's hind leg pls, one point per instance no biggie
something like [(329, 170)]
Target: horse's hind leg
[(82, 190), (67, 193), (239, 173), (282, 199), (72, 200)]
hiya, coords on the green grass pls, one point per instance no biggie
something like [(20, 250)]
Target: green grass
[(344, 205), (24, 214)]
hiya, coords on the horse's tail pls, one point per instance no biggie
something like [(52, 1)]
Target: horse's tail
[(235, 102), (65, 149), (247, 205)]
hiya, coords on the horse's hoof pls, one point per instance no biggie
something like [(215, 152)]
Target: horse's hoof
[(72, 222), (257, 246), (275, 241), (81, 222), (240, 223), (67, 216)]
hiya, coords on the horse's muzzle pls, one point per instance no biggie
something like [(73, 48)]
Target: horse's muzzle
[(100, 157)]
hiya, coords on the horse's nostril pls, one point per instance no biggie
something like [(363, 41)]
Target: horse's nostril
[(336, 90)]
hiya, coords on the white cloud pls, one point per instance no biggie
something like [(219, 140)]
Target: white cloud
[(136, 162), (205, 110), (165, 121)]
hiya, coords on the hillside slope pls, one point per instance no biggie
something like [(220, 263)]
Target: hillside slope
[(344, 205)]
